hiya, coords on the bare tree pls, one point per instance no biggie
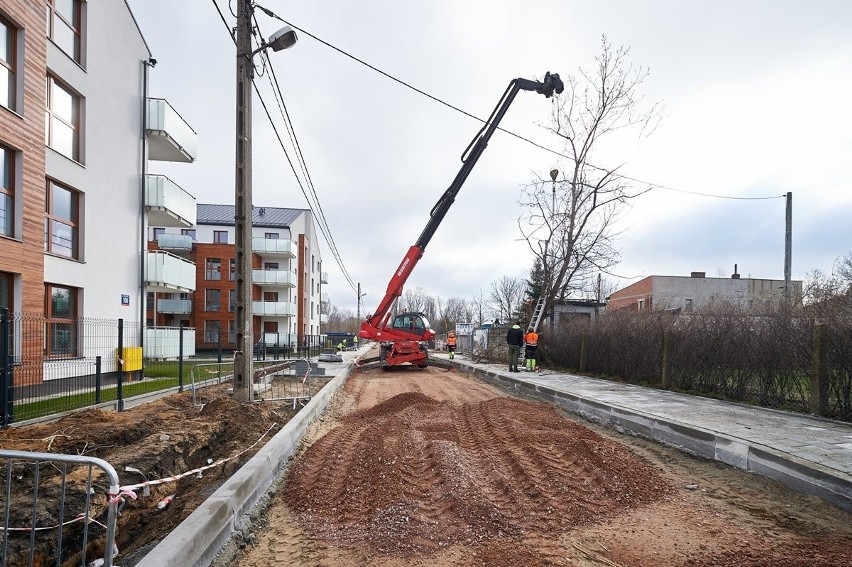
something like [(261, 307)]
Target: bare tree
[(506, 295), (417, 300), (453, 310), (568, 220)]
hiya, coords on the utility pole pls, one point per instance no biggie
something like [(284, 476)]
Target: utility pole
[(358, 307), (788, 247), (243, 368)]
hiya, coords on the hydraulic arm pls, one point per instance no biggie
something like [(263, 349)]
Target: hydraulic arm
[(400, 338)]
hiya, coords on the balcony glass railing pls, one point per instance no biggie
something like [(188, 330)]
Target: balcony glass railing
[(167, 203), (164, 342), (273, 308), (283, 278), (323, 277), (175, 306), (272, 246), (167, 272), (168, 241), (170, 137)]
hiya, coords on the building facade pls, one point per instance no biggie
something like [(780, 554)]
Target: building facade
[(77, 130), (697, 291), (287, 277)]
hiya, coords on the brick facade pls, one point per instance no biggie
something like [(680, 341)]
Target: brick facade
[(630, 296)]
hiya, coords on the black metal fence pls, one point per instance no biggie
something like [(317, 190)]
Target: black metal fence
[(51, 366), (797, 360)]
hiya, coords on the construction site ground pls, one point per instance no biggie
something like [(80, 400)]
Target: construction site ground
[(436, 468), (160, 439)]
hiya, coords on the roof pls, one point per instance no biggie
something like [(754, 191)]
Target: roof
[(270, 217)]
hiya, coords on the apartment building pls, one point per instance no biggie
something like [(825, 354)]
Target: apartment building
[(77, 131), (697, 290), (287, 277)]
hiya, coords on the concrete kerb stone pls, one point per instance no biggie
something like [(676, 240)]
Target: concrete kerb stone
[(197, 540), (806, 477)]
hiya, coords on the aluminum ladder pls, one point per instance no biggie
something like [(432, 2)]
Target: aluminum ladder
[(537, 313)]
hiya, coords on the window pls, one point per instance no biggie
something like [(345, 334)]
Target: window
[(6, 287), (313, 264), (641, 304), (64, 26), (212, 299), (213, 269), (270, 265), (271, 236), (61, 222), (188, 232), (211, 331), (232, 274), (8, 83), (62, 120), (149, 301), (232, 331), (60, 308), (232, 300), (7, 192), (687, 305), (271, 296), (158, 231), (220, 236)]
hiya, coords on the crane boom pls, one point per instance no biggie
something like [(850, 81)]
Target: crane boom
[(406, 328)]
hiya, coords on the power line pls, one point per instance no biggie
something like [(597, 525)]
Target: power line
[(657, 186), (294, 140), (470, 115), (322, 225)]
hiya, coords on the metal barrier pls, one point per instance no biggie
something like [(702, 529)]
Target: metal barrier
[(278, 380), (35, 535)]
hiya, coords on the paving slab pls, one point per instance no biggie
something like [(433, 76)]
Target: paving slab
[(810, 454)]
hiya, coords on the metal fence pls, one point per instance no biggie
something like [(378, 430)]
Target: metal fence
[(50, 366), (53, 515)]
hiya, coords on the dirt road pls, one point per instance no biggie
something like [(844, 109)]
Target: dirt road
[(436, 468)]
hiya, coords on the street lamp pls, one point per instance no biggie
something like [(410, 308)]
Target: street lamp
[(282, 39)]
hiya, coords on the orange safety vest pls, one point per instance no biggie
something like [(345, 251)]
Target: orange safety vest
[(451, 341), (531, 339)]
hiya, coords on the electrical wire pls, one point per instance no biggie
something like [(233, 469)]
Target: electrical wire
[(321, 225), (470, 115), (294, 140)]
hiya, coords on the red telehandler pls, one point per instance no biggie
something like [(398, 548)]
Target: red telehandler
[(401, 339)]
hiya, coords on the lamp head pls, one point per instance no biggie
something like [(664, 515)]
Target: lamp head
[(282, 39)]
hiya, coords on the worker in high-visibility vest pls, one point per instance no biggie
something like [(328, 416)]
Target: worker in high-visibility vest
[(355, 342), (531, 350), (451, 344)]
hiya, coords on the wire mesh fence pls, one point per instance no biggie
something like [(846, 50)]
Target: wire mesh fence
[(51, 366), (796, 360)]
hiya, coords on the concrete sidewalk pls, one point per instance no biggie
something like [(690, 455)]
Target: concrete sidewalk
[(809, 454)]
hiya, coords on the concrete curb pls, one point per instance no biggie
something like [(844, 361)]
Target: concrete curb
[(802, 476), (197, 540)]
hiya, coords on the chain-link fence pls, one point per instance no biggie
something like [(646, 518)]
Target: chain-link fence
[(799, 361)]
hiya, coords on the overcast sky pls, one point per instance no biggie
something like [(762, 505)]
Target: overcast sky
[(758, 102)]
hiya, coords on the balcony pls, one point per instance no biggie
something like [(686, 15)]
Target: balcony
[(277, 339), (323, 318), (174, 306), (323, 277), (273, 308), (170, 138), (174, 242), (278, 278), (324, 297), (165, 272), (167, 204), (164, 342), (273, 247)]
